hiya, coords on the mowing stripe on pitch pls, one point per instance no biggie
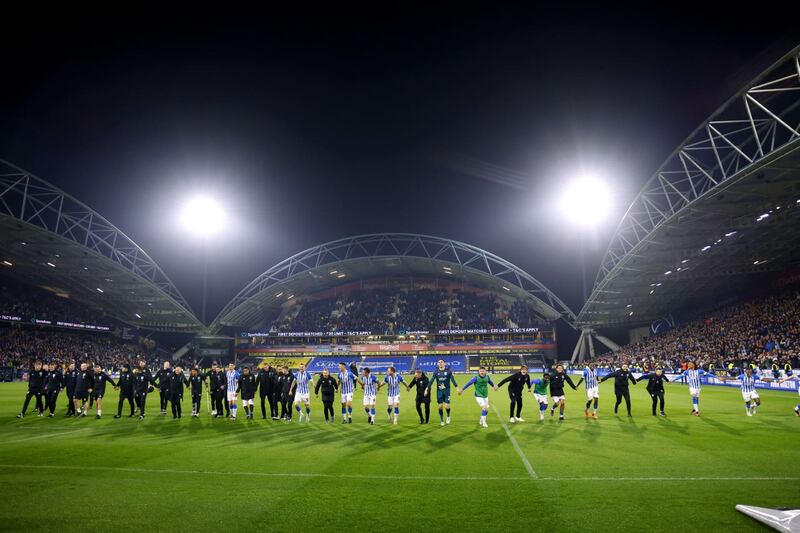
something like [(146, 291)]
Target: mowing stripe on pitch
[(66, 432), (514, 443), (368, 476), (261, 474)]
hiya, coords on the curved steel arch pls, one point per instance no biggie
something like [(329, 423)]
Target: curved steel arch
[(34, 201), (759, 123), (387, 245)]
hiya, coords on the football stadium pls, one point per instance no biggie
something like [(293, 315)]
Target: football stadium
[(386, 381)]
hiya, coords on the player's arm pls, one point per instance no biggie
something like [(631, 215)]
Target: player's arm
[(335, 385), (569, 380), (633, 379), (608, 376), (430, 381), (492, 384), (506, 380), (679, 376), (113, 384), (468, 385), (318, 385), (453, 379)]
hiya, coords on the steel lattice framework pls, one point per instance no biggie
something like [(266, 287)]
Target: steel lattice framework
[(378, 254), (753, 129), (26, 198)]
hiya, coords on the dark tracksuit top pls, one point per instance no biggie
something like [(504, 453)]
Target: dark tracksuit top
[(329, 386), (83, 383), (176, 383), (655, 384), (217, 383), (163, 377), (100, 381), (141, 382), (36, 380), (247, 386), (70, 379), (286, 385), (125, 384), (54, 382), (621, 378), (265, 379), (196, 383), (516, 383), (421, 385), (557, 383)]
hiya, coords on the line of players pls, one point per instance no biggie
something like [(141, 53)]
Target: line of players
[(290, 391)]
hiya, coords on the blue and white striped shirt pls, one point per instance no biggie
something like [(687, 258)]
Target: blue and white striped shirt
[(346, 382), (749, 382), (302, 379), (693, 377), (233, 379), (369, 385), (590, 378), (394, 384)]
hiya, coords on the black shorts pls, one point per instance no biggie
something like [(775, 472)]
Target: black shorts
[(98, 395), (84, 397)]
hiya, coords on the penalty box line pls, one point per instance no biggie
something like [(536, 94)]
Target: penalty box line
[(383, 477), (515, 444)]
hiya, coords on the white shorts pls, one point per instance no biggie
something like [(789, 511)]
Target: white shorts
[(369, 400), (541, 398), (557, 399), (347, 397), (483, 402), (592, 393), (394, 399), (302, 397), (694, 392), (750, 396), (232, 396)]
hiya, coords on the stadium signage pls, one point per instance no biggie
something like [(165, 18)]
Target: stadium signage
[(75, 325), (11, 318), (306, 334), (487, 331)]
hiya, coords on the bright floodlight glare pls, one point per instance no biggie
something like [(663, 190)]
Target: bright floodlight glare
[(586, 202), (202, 216)]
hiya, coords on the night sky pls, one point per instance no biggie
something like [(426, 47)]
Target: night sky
[(310, 128)]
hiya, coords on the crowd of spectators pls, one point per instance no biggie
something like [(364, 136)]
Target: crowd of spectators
[(368, 311), (387, 311), (476, 311), (422, 309), (314, 315), (19, 347), (763, 331), (522, 315)]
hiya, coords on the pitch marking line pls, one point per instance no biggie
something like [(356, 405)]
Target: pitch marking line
[(514, 443), (368, 476)]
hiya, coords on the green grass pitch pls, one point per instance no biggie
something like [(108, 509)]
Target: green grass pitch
[(641, 474)]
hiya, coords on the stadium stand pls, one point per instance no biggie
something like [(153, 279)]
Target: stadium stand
[(20, 347), (388, 311), (762, 331)]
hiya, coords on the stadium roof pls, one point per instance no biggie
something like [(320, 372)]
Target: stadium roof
[(724, 205), (50, 239), (386, 254)]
